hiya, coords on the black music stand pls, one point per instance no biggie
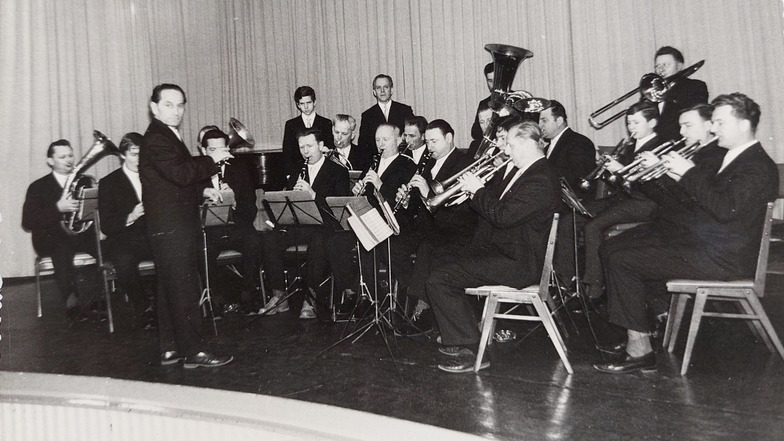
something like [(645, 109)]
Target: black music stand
[(218, 215), (338, 206), (290, 208), (573, 202)]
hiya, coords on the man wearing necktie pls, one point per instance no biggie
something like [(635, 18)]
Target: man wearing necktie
[(305, 100), (507, 248), (172, 191), (717, 239), (384, 111)]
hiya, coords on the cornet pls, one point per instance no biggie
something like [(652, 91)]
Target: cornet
[(659, 169), (484, 172)]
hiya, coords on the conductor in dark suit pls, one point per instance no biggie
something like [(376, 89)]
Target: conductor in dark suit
[(172, 192), (42, 213), (508, 245), (123, 223), (240, 235), (685, 93), (349, 154), (716, 239), (384, 111), (305, 98), (570, 154)]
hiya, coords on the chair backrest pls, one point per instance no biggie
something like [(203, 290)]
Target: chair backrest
[(762, 259), (547, 269)]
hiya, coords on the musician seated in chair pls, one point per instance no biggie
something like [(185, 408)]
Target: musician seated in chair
[(713, 235), (349, 154), (507, 248), (235, 176), (328, 248), (123, 223), (641, 121), (414, 137), (45, 205)]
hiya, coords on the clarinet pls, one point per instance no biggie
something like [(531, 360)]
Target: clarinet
[(420, 169), (367, 188)]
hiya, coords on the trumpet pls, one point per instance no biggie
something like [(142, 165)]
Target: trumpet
[(606, 161), (484, 173), (487, 158), (638, 163), (659, 169), (426, 155)]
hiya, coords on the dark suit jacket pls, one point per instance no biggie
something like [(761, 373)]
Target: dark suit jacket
[(573, 157), (731, 206), (398, 173), (238, 176), (685, 93), (291, 156), (116, 199), (516, 226), (171, 181), (332, 180), (374, 117), (40, 214), (361, 157), (476, 129)]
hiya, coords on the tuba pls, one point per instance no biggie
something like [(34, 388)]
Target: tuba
[(77, 181), (506, 60), (239, 136)]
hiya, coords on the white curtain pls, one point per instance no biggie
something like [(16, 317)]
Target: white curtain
[(72, 66)]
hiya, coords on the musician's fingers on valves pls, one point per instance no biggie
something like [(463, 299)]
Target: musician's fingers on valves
[(471, 182)]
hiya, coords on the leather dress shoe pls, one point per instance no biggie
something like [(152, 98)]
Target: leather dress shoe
[(463, 366), (616, 349), (170, 357), (205, 359), (455, 351), (628, 364)]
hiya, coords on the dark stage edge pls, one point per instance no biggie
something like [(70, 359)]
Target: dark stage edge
[(734, 388)]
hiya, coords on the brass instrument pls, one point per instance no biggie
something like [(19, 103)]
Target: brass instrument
[(506, 60), (605, 160), (487, 158), (629, 172), (653, 88), (420, 169), (658, 169), (335, 156), (77, 181), (484, 173), (239, 136)]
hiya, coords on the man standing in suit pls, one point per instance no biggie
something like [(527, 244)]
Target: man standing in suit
[(715, 239), (570, 154), (42, 214), (384, 111), (349, 154), (172, 191), (240, 235), (305, 98), (320, 178), (685, 93), (508, 246), (123, 223)]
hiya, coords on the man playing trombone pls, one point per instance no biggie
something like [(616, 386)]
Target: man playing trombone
[(507, 248), (716, 238)]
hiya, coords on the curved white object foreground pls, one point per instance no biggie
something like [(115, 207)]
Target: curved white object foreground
[(63, 407)]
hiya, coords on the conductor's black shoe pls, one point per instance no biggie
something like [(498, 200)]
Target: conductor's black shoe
[(170, 357), (616, 349), (628, 364), (205, 359)]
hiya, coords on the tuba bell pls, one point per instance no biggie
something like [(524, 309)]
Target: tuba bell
[(77, 181), (239, 136)]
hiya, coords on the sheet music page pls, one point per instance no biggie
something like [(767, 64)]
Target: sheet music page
[(369, 226)]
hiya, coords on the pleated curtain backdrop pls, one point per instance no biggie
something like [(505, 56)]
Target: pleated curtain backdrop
[(68, 67)]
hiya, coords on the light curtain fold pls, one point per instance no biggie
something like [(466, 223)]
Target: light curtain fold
[(72, 66)]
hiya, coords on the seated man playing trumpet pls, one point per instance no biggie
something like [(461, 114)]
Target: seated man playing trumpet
[(507, 248), (715, 236)]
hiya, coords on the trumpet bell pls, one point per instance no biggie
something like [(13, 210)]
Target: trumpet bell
[(239, 136)]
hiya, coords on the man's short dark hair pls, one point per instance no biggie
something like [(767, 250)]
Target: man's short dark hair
[(506, 122), (379, 76), (743, 107), (489, 67), (59, 142), (703, 109), (417, 121), (214, 134), (303, 91), (557, 109), (156, 92), (441, 125), (311, 131), (484, 105), (649, 111), (131, 139), (669, 50)]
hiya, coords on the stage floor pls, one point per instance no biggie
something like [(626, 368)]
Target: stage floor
[(734, 388)]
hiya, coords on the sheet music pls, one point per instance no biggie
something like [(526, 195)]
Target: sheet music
[(367, 223)]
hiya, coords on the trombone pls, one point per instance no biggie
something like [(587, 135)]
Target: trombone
[(652, 88)]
